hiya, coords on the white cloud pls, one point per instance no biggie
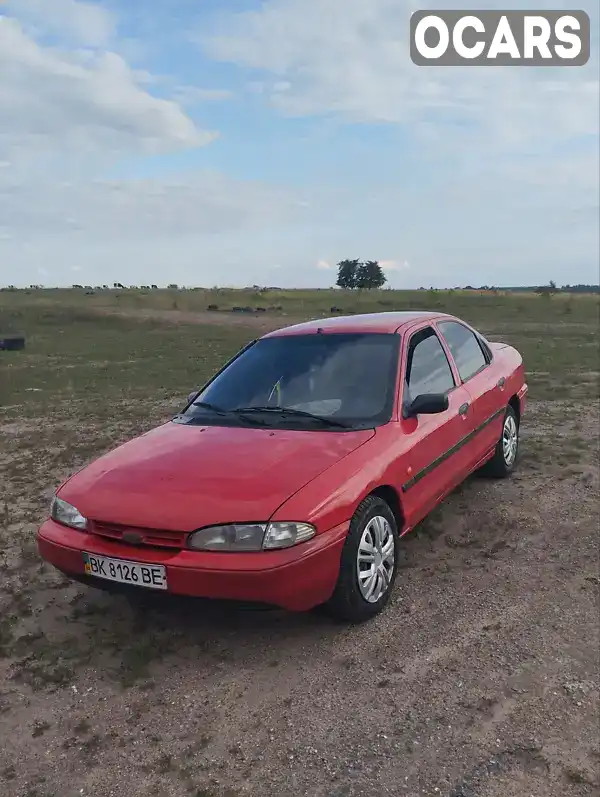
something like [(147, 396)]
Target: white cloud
[(505, 160), (205, 203), (71, 105), (84, 23), (351, 58), (52, 101), (193, 95)]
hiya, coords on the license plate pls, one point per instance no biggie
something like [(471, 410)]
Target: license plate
[(125, 572)]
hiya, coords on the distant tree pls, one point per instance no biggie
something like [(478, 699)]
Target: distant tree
[(347, 273), (173, 287), (370, 275)]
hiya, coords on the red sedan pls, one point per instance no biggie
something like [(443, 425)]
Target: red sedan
[(291, 476)]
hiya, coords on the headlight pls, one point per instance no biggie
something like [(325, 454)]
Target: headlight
[(236, 537), (66, 514), (250, 536)]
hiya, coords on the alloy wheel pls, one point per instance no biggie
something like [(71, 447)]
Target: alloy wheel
[(510, 440), (376, 559)]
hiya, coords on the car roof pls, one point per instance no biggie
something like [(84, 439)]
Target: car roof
[(366, 322)]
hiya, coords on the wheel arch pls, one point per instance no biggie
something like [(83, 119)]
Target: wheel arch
[(392, 498), (515, 403)]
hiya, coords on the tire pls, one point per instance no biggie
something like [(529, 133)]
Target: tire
[(373, 522), (502, 464), (12, 342)]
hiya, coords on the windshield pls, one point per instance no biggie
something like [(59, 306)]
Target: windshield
[(346, 378)]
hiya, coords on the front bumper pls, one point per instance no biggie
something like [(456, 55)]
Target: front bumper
[(296, 579)]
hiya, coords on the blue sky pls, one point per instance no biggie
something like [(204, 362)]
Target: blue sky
[(238, 142)]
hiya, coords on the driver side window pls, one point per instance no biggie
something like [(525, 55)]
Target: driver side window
[(427, 367)]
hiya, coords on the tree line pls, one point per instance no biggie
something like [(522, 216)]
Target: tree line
[(356, 275)]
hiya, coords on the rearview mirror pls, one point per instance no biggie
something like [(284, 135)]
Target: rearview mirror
[(428, 404)]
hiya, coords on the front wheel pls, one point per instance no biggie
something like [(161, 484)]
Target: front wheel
[(369, 563), (504, 460)]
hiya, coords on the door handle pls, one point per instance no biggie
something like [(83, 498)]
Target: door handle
[(463, 409), (501, 382)]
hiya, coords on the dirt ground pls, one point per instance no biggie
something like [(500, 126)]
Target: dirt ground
[(481, 679)]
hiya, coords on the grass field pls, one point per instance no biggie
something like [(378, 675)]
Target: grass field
[(480, 680)]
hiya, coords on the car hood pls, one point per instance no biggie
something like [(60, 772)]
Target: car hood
[(179, 477)]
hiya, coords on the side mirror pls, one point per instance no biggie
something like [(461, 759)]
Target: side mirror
[(428, 404), (192, 395)]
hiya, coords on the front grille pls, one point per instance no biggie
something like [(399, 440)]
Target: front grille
[(153, 538)]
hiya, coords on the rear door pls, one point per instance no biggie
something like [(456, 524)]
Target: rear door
[(474, 365), (435, 460)]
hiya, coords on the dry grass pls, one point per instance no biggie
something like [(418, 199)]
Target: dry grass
[(480, 680)]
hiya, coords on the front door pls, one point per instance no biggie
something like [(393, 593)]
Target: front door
[(476, 374), (434, 461)]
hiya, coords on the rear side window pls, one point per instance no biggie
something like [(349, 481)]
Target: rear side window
[(427, 368), (464, 346)]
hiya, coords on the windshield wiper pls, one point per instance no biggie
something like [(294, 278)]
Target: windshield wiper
[(291, 412), (205, 405)]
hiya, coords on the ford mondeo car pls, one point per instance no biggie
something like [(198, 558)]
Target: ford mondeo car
[(292, 475)]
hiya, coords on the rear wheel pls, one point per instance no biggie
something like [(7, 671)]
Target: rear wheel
[(504, 460), (369, 563)]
